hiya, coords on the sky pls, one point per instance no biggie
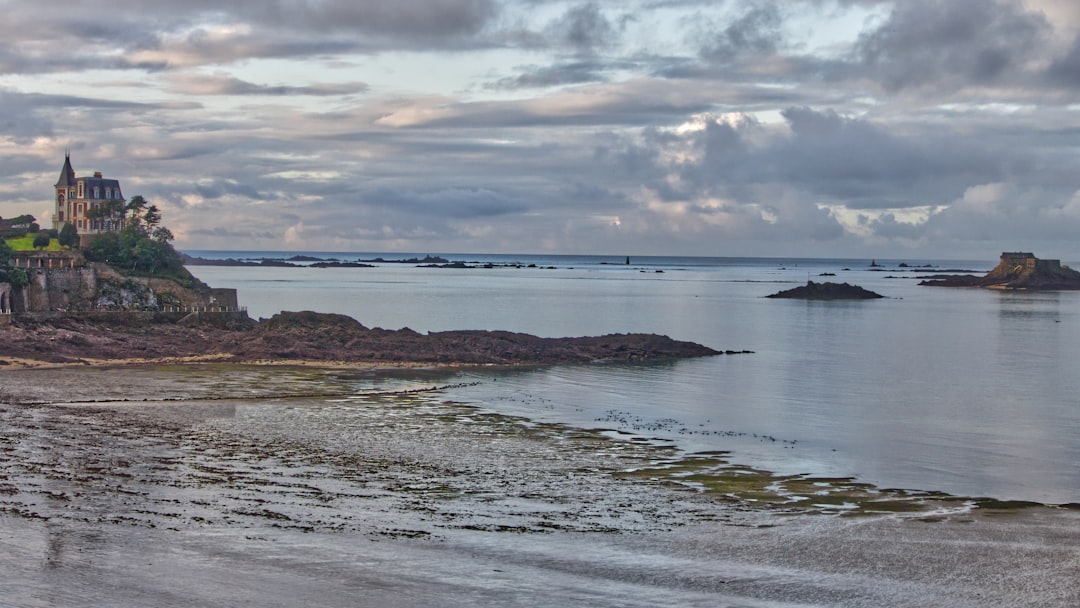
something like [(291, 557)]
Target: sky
[(835, 128)]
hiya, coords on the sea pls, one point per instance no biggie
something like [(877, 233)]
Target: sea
[(965, 391)]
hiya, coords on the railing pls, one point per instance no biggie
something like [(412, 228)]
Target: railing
[(201, 309), (165, 309)]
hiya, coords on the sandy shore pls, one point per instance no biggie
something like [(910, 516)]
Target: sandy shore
[(186, 491)]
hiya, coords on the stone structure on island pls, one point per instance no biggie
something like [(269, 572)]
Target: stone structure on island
[(827, 291), (1018, 270), (79, 201)]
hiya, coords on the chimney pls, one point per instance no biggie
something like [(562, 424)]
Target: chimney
[(97, 174)]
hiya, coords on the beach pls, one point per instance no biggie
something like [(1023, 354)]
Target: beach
[(219, 485)]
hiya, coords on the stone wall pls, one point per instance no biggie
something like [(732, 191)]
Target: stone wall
[(64, 281), (57, 289)]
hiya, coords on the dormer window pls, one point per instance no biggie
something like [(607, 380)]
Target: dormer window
[(82, 193), (96, 192)]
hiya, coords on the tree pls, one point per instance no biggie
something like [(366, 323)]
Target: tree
[(136, 206), (69, 236), (5, 253), (17, 277), (109, 211), (152, 217), (162, 234), (41, 240)]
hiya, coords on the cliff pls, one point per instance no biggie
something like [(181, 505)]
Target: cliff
[(66, 281), (1016, 270)]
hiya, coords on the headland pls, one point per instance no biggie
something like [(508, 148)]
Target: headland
[(119, 337)]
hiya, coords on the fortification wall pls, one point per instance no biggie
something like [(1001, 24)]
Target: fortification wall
[(64, 281), (57, 289)]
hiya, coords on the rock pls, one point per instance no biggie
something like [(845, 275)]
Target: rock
[(1016, 270), (827, 291), (314, 336)]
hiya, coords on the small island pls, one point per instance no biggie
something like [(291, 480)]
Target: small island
[(827, 291), (1017, 270)]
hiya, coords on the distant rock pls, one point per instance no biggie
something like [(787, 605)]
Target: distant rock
[(827, 291), (340, 265), (1016, 270)]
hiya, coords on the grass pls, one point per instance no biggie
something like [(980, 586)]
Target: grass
[(26, 243)]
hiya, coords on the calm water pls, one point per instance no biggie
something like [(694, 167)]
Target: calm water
[(966, 391)]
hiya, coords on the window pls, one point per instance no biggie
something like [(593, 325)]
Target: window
[(82, 192), (96, 192)]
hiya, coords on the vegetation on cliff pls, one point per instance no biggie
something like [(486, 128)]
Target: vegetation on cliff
[(143, 247)]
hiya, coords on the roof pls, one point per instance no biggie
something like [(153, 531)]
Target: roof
[(67, 174)]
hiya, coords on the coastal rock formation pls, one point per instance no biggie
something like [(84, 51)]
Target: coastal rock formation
[(309, 336), (67, 281), (1016, 270), (827, 291)]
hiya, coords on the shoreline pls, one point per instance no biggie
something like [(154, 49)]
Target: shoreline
[(714, 475), (310, 336), (297, 500), (223, 357)]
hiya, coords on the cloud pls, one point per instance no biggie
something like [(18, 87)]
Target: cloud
[(460, 203), (584, 28), (756, 32), (678, 126), (925, 43), (223, 84), (554, 75)]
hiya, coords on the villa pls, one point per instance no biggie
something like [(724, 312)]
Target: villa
[(77, 198)]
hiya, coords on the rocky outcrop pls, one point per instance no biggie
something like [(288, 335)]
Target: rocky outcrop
[(827, 291), (66, 281), (1016, 270), (308, 336)]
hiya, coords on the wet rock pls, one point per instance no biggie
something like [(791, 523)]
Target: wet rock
[(827, 291)]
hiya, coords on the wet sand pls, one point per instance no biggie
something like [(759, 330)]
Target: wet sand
[(218, 485)]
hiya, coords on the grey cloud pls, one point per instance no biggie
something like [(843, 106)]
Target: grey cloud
[(21, 116), (219, 188), (122, 34), (888, 227), (449, 202), (951, 44), (584, 27), (438, 18), (556, 75), (1065, 70), (756, 32), (851, 158)]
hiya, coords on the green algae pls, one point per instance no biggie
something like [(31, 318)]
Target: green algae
[(762, 489)]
